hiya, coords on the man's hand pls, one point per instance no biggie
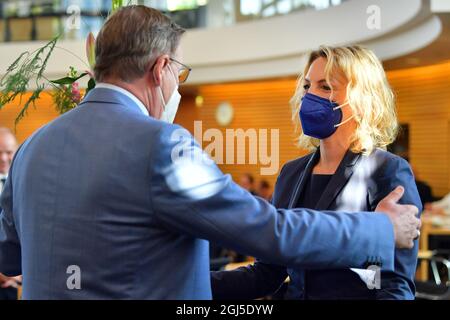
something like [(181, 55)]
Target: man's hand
[(403, 218), (7, 282)]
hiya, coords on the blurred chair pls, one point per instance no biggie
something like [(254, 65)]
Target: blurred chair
[(436, 289), (235, 265), (217, 264), (219, 257)]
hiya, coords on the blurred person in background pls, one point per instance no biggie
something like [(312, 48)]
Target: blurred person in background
[(8, 147), (247, 181), (264, 190)]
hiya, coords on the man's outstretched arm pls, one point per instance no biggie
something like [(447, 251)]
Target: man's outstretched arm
[(192, 196)]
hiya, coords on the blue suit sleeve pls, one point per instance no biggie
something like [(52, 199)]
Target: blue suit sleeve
[(251, 282), (398, 284), (190, 195), (10, 250)]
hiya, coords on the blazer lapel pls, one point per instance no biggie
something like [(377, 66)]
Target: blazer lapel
[(338, 181), (303, 178)]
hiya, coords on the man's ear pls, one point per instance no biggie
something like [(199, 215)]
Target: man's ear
[(158, 69)]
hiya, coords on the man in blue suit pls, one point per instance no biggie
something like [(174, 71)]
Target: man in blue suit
[(110, 202)]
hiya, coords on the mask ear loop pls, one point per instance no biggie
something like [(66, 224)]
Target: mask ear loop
[(162, 98), (160, 89), (340, 107), (344, 122), (174, 76)]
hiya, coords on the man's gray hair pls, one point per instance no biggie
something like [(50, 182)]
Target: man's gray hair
[(131, 40)]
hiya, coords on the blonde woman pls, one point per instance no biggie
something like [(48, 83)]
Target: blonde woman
[(346, 111)]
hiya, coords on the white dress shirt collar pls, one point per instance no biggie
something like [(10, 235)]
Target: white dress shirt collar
[(2, 176), (125, 92)]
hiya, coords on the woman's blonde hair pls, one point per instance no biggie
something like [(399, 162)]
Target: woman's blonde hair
[(368, 94)]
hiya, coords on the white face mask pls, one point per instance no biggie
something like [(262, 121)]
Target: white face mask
[(171, 107)]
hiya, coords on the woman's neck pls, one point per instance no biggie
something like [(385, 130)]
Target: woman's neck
[(332, 151)]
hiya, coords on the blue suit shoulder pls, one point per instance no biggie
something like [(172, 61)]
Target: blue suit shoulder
[(385, 159), (391, 171)]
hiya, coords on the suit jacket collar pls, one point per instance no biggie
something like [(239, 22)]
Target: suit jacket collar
[(303, 178), (336, 184), (109, 96)]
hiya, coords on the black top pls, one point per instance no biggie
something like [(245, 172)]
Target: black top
[(314, 188)]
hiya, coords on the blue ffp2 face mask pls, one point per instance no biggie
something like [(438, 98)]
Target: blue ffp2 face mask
[(320, 117)]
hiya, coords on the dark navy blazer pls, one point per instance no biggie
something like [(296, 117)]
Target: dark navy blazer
[(359, 183)]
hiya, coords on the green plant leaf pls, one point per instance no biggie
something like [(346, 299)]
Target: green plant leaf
[(116, 5), (91, 85), (16, 81), (32, 100), (68, 80)]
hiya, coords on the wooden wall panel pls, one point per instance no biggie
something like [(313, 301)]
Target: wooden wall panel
[(423, 101), (260, 105), (36, 118)]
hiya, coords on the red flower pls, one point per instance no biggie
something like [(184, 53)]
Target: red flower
[(76, 94)]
